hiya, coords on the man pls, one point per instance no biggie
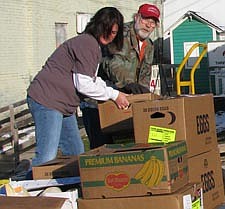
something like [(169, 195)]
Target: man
[(128, 70)]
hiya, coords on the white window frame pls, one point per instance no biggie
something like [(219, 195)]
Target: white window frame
[(194, 55), (82, 20)]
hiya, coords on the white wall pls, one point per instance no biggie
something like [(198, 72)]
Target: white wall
[(27, 36)]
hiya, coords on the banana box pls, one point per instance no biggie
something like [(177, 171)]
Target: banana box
[(133, 170)]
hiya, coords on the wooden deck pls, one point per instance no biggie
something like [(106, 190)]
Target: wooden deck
[(7, 159)]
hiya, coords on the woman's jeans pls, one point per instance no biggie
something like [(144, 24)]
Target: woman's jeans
[(53, 130)]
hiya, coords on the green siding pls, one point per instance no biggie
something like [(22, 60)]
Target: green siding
[(193, 31)]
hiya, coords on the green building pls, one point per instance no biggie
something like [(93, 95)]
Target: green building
[(192, 28)]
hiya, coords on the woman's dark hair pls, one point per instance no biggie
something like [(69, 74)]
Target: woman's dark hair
[(102, 22)]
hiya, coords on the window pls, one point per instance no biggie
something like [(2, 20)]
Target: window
[(60, 33), (194, 55), (220, 83), (82, 20)]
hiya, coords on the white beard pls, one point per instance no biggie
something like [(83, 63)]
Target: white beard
[(141, 33)]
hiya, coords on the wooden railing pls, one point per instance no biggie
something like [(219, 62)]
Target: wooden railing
[(13, 118)]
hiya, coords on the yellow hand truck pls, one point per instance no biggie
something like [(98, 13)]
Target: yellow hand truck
[(189, 83)]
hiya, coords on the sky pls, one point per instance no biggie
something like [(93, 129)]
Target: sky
[(212, 9)]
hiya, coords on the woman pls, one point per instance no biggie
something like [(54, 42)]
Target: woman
[(69, 74), (128, 69)]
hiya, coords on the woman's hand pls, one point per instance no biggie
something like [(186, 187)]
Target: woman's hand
[(122, 101)]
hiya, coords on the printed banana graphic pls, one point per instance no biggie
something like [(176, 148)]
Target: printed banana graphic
[(156, 170), (143, 170), (151, 172)]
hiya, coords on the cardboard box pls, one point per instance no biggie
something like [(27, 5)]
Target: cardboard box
[(207, 168), (219, 107), (190, 196), (64, 166), (32, 202), (192, 116), (133, 170), (114, 120), (71, 197)]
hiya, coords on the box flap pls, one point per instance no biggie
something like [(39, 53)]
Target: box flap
[(31, 202), (116, 148), (142, 97), (59, 160)]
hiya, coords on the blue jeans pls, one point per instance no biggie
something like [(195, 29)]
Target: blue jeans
[(53, 130)]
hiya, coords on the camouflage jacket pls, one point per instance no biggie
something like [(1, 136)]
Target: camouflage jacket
[(125, 66)]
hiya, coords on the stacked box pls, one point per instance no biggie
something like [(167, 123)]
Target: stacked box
[(192, 116), (133, 170), (207, 168), (190, 196)]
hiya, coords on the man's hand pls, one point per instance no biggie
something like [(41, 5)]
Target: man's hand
[(122, 101), (135, 88)]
